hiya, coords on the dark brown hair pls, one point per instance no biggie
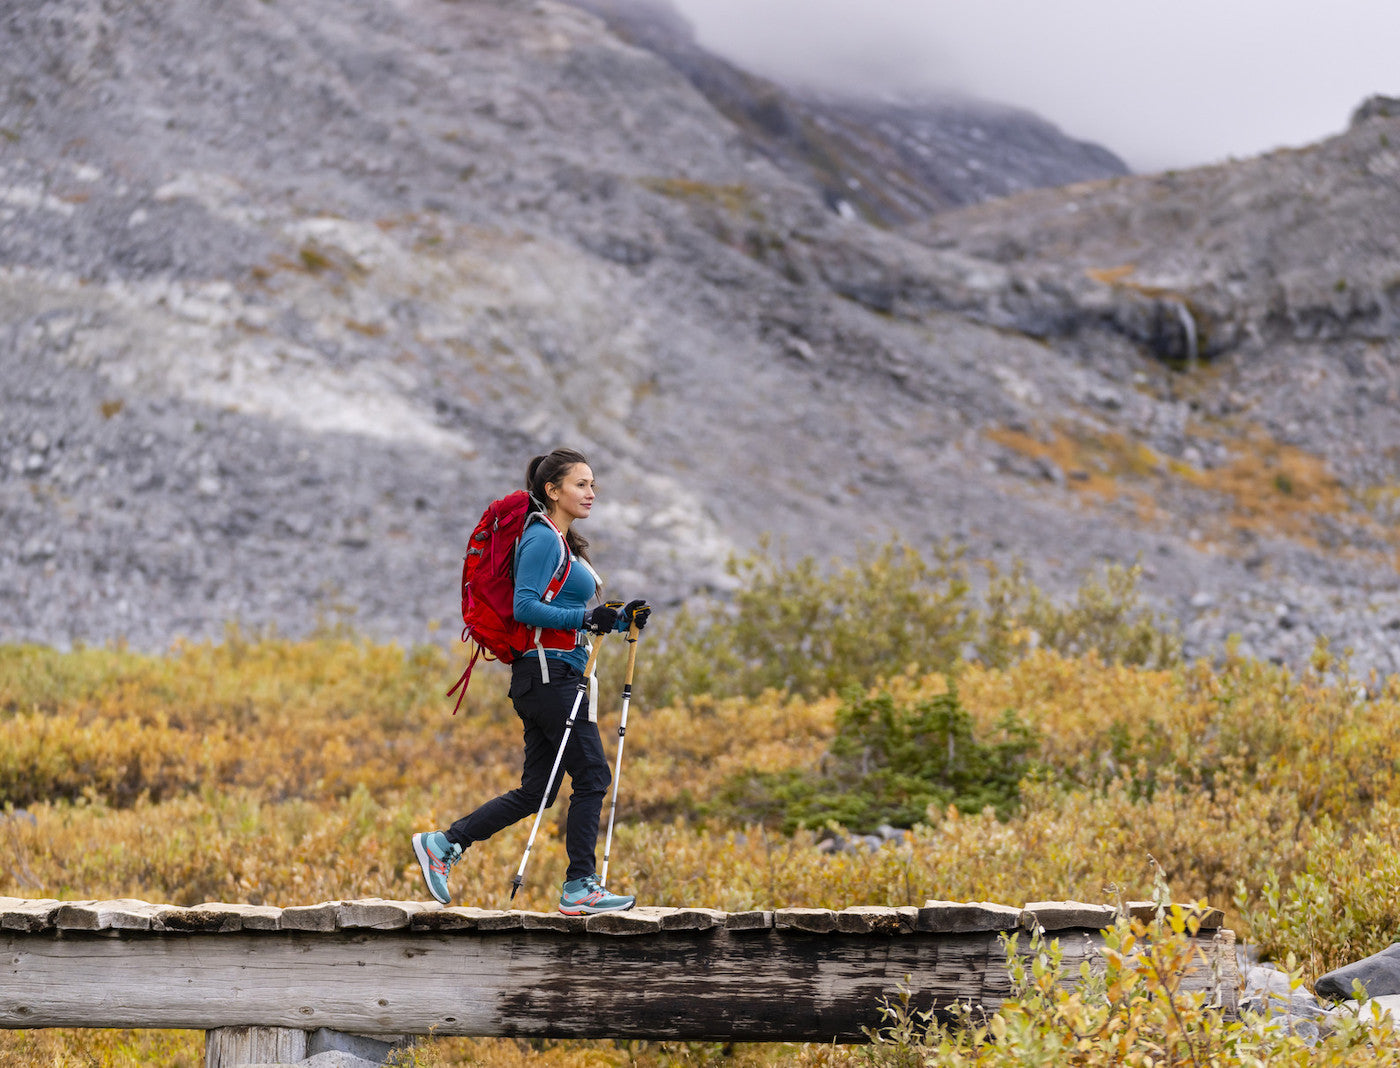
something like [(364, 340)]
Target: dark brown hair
[(550, 469)]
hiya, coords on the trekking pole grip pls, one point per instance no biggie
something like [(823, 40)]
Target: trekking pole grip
[(633, 632), (593, 656)]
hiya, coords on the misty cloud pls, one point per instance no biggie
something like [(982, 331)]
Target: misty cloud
[(1161, 85)]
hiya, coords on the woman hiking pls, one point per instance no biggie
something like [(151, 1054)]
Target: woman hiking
[(543, 689)]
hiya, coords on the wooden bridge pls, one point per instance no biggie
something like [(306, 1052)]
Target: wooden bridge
[(258, 979)]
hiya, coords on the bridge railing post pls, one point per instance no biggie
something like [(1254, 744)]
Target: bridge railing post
[(230, 1047)]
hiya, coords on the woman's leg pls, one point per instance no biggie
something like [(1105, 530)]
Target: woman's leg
[(588, 772), (543, 710)]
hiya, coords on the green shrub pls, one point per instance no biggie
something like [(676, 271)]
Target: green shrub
[(1106, 617), (795, 628), (1341, 907), (810, 632), (891, 764)]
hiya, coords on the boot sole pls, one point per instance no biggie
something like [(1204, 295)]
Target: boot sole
[(589, 910)]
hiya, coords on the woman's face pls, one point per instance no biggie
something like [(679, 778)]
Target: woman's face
[(572, 496)]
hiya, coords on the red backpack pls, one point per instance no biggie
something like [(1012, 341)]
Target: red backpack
[(488, 590)]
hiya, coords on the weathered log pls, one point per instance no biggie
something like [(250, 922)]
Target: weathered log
[(716, 985), (377, 967)]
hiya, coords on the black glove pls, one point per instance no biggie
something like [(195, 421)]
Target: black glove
[(603, 619), (636, 612)]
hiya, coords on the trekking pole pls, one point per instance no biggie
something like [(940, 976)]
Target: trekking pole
[(632, 632), (558, 759)]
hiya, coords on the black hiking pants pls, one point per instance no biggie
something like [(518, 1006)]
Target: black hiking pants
[(543, 709)]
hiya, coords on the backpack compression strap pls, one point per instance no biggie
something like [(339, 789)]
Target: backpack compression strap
[(466, 677)]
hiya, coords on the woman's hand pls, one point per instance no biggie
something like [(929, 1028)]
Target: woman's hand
[(603, 618), (636, 613)]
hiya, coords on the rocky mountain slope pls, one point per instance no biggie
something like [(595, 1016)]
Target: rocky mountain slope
[(890, 161), (288, 290)]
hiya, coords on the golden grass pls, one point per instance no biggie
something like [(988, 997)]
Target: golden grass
[(1266, 488), (735, 198), (1274, 488), (1106, 465)]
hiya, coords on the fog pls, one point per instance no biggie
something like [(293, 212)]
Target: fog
[(1162, 85)]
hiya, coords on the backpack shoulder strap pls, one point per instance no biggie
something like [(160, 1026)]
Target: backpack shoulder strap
[(562, 568), (556, 582)]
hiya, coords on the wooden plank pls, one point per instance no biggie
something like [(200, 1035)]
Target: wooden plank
[(120, 915), (322, 917), (817, 921), (552, 921), (446, 919), (755, 920), (30, 916), (377, 914), (1211, 919), (691, 919), (1067, 915), (876, 919), (499, 920), (966, 917), (251, 917), (633, 922), (203, 918)]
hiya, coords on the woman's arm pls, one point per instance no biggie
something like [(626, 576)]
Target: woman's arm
[(535, 565)]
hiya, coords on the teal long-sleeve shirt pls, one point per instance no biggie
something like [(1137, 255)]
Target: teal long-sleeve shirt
[(538, 558)]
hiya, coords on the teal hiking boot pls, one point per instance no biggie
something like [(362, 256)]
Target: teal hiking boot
[(584, 897), (436, 855)]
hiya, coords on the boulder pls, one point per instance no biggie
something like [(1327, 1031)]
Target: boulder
[(1379, 974)]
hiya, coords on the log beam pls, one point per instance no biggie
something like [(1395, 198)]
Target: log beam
[(383, 968)]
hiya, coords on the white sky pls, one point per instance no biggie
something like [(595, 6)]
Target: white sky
[(1161, 84)]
